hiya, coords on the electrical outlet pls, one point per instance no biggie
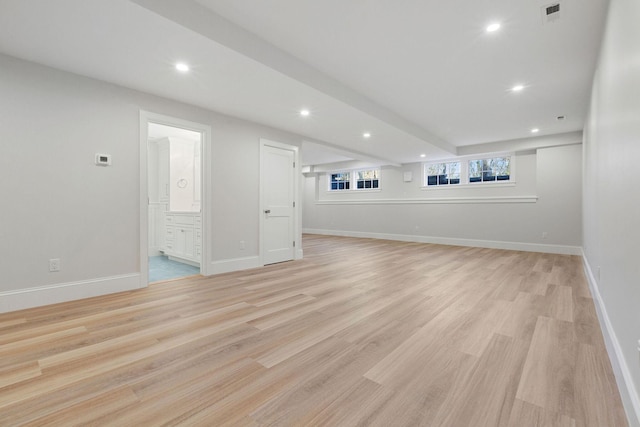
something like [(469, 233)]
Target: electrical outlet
[(544, 235), (54, 264), (241, 245)]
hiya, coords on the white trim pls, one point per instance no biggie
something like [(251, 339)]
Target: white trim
[(510, 183), (359, 190), (235, 264), (144, 198), (438, 200), (63, 292), (298, 198), (628, 392), (493, 244), (349, 192), (147, 117)]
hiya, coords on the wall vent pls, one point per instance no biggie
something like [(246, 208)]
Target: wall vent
[(551, 13), (553, 9)]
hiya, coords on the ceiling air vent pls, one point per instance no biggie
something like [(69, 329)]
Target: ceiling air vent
[(551, 13)]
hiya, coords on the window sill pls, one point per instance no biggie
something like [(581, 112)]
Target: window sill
[(366, 190), (474, 185), (439, 200)]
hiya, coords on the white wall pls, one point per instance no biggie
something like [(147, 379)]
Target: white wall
[(546, 198), (58, 204), (611, 194)]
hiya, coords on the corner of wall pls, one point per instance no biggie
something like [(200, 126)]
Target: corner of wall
[(628, 392)]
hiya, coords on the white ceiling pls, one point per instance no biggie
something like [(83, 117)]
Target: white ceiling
[(422, 76)]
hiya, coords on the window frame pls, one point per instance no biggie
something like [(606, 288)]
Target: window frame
[(356, 179), (331, 181), (353, 180), (465, 181), (483, 172), (438, 183)]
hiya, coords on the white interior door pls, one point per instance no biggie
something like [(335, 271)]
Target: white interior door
[(278, 186)]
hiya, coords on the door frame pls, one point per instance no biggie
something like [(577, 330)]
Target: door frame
[(297, 223), (147, 117)]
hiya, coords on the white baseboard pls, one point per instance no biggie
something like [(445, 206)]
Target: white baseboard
[(515, 246), (63, 292), (430, 200), (235, 264), (299, 254), (628, 392)]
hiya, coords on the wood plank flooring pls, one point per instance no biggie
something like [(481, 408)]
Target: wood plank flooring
[(359, 333)]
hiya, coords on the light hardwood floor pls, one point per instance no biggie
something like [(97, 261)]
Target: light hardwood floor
[(360, 332)]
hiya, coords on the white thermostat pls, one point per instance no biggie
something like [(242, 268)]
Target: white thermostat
[(103, 159)]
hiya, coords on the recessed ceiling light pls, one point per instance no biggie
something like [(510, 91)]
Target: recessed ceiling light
[(493, 27), (182, 67), (366, 135), (423, 155), (517, 88), (535, 130), (305, 112)]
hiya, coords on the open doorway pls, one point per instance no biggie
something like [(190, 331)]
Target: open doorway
[(173, 168)]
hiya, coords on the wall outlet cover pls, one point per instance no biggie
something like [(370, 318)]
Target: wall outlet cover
[(54, 264)]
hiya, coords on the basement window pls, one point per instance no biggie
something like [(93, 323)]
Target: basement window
[(354, 180), (367, 179), (442, 173), (493, 169), (340, 181), (470, 171)]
